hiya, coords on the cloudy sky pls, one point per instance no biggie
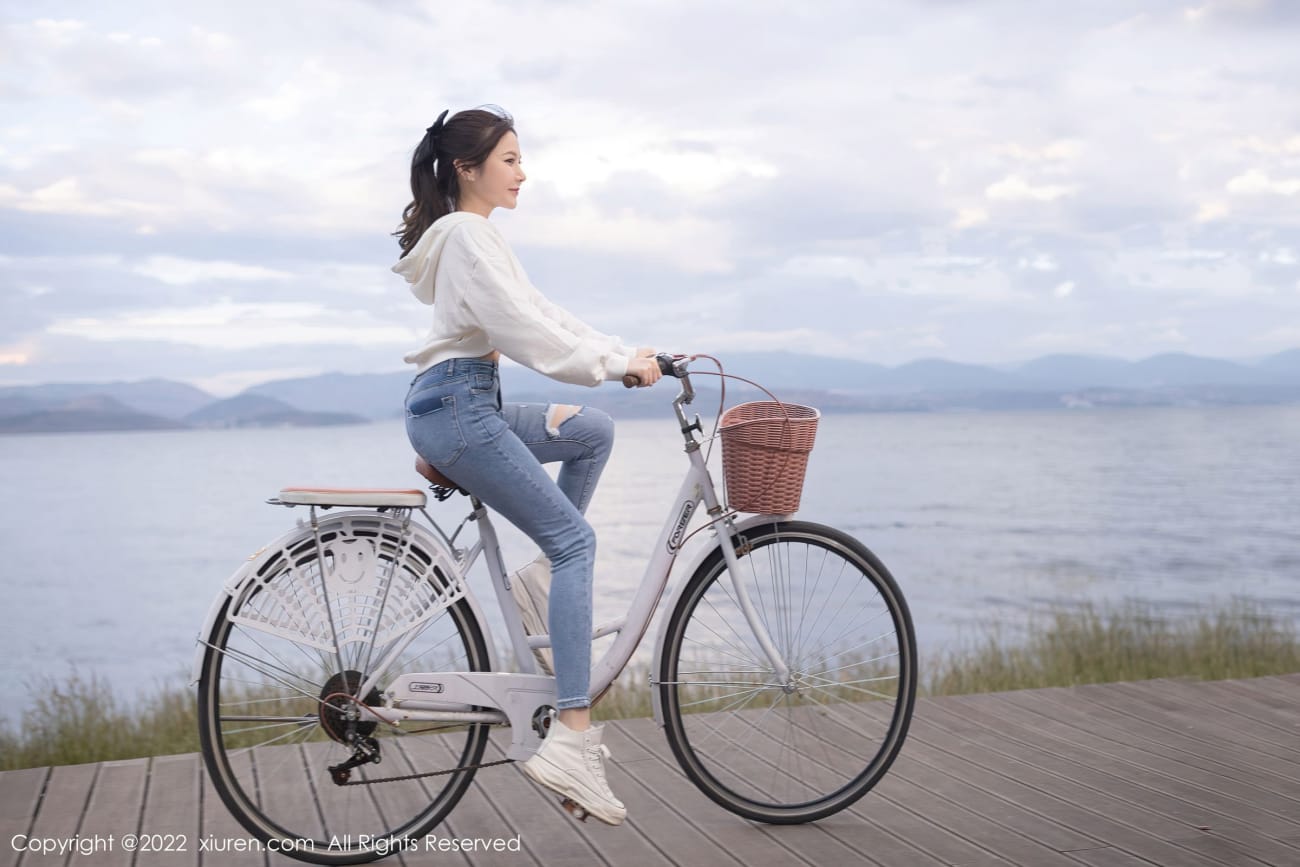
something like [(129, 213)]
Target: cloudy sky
[(205, 191)]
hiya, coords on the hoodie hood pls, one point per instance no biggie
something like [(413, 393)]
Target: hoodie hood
[(421, 264)]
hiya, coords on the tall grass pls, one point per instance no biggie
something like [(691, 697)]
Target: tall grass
[(82, 719), (1132, 642)]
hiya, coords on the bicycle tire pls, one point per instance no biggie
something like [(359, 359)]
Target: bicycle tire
[(270, 732), (843, 715)]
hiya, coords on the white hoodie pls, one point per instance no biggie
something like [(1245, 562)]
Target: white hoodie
[(485, 302)]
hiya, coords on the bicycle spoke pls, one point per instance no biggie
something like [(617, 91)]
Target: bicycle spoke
[(810, 747)]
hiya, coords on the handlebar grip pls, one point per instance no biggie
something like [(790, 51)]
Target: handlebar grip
[(631, 380)]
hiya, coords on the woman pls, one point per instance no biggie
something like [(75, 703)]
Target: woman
[(485, 307)]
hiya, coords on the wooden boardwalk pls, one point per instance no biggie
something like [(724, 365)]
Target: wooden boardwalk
[(1160, 772)]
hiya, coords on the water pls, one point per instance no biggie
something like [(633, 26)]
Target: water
[(114, 545)]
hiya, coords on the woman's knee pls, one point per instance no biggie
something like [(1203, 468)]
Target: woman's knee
[(586, 424), (577, 542)]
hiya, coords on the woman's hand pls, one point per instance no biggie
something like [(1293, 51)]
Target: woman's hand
[(645, 352), (646, 371)]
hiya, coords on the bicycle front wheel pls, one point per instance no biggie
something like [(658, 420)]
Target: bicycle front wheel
[(280, 700), (799, 749)]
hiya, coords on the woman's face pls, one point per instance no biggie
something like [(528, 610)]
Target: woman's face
[(495, 184)]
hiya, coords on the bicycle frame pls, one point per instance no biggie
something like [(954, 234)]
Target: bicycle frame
[(518, 695)]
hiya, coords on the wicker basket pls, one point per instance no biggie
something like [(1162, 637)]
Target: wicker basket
[(765, 447)]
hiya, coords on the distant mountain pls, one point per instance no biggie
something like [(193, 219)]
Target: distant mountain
[(834, 384), (928, 384), (933, 375), (1179, 369), (373, 395), (162, 397), (1285, 366), (91, 413), (254, 410), (1073, 371), (17, 405)]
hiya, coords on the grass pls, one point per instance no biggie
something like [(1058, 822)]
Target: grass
[(82, 719), (1129, 643)]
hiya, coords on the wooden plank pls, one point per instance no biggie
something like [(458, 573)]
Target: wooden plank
[(1279, 695), (1227, 760), (828, 841), (998, 798), (1109, 856), (20, 796), (1118, 775), (995, 774), (535, 813), (1230, 799), (995, 826), (64, 803), (653, 768), (870, 842), (1206, 720), (1142, 782), (476, 817), (1187, 719), (866, 837), (219, 828), (418, 754), (114, 809), (1266, 712), (1244, 806), (171, 807), (1077, 783), (1225, 850)]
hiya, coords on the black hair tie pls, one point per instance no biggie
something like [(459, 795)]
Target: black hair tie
[(436, 129)]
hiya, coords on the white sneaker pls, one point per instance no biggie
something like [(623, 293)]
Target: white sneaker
[(531, 586), (573, 764)]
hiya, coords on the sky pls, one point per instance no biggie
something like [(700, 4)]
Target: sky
[(206, 191)]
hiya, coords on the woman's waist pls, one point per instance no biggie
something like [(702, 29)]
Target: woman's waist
[(454, 368)]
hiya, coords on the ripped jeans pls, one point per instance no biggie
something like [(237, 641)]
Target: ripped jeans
[(456, 421)]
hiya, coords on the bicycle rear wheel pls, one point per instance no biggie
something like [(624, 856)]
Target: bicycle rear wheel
[(799, 750), (279, 691)]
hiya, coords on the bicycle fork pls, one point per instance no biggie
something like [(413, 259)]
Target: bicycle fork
[(725, 534)]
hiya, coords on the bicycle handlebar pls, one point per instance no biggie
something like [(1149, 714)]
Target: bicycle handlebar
[(666, 367)]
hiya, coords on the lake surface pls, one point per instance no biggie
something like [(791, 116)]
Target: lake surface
[(114, 545)]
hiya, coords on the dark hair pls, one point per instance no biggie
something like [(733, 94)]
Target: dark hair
[(465, 141)]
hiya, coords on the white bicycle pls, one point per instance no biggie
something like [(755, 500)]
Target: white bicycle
[(347, 679)]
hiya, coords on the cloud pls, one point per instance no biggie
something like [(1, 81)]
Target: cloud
[(230, 325), (1254, 183), (965, 278), (781, 171), (1016, 189), (183, 272)]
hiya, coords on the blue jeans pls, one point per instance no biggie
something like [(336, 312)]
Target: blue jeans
[(456, 421)]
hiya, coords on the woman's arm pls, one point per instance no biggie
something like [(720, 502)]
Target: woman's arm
[(509, 312)]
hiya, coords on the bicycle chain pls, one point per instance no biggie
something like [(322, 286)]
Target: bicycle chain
[(425, 774)]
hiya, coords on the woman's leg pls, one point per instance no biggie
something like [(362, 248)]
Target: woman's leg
[(483, 455), (580, 437)]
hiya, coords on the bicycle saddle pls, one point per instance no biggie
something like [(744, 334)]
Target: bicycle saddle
[(436, 478)]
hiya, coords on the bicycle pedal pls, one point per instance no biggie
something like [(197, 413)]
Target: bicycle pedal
[(575, 809)]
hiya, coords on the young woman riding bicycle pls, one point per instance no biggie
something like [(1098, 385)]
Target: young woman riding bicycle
[(483, 307)]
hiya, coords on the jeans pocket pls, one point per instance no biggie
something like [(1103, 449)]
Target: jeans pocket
[(427, 401), (433, 427)]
